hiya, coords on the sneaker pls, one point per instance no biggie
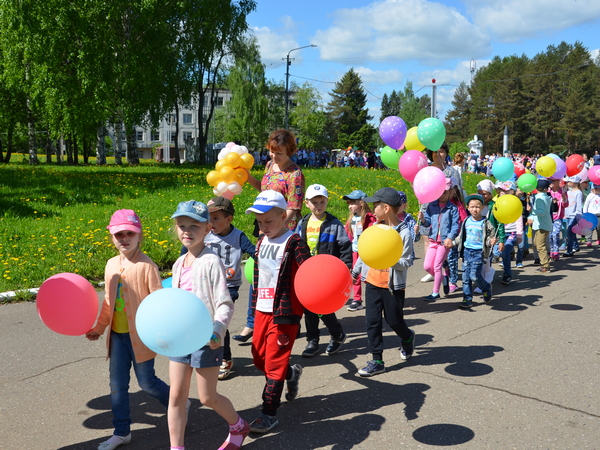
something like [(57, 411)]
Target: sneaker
[(536, 262), (453, 288), (495, 259), (335, 345), (431, 297), (114, 442), (446, 285), (589, 244), (562, 248), (407, 349), (477, 290), (487, 296), (427, 278), (263, 424), (225, 369), (569, 254), (355, 306), (542, 270), (311, 349), (501, 265), (292, 384), (598, 242), (506, 279), (520, 265), (372, 368), (244, 431), (466, 304)]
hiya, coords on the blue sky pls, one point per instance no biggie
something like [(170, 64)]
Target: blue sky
[(390, 42)]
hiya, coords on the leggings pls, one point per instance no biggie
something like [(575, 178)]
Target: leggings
[(434, 260)]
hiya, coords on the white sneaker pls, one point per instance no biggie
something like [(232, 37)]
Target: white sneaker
[(114, 442), (427, 278)]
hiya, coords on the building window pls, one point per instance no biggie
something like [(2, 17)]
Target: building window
[(187, 135), (139, 135), (219, 101), (172, 136), (187, 119), (155, 136)]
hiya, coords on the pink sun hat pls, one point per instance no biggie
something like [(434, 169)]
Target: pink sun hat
[(124, 219)]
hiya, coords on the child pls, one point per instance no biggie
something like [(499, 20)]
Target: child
[(592, 205), (572, 213), (229, 244), (513, 234), (325, 235), (201, 272), (523, 248), (386, 289), (443, 218), (474, 244), (408, 220), (359, 219), (486, 189), (559, 203), (457, 199), (130, 277), (277, 310), (542, 223)]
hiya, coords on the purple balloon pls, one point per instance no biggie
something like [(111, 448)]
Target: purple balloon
[(393, 131), (561, 167)]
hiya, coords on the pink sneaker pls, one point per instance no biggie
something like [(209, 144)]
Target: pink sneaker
[(589, 244), (453, 288)]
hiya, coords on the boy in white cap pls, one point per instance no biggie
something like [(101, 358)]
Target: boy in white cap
[(277, 310)]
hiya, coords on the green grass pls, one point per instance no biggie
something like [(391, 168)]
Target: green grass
[(53, 218)]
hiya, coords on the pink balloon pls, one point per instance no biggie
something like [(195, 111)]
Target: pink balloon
[(577, 230), (230, 144), (411, 162), (67, 304), (584, 224), (594, 174), (228, 194), (429, 184), (583, 174)]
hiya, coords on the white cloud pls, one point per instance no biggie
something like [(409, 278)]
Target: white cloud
[(369, 76), (400, 30), (595, 53), (515, 19)]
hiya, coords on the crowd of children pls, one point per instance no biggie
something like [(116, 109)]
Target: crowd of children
[(210, 266)]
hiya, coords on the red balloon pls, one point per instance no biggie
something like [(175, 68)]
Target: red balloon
[(519, 169), (323, 284), (594, 174), (67, 304), (575, 164)]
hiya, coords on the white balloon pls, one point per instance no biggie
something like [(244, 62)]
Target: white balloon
[(236, 149), (235, 187), (222, 154), (221, 187), (244, 149), (216, 192), (583, 174)]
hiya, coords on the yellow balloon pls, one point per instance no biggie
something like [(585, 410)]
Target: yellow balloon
[(545, 166), (220, 164), (233, 159), (380, 246), (507, 209), (241, 176), (213, 177), (227, 174), (247, 161), (412, 141)]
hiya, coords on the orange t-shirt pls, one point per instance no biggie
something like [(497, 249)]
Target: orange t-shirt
[(378, 277)]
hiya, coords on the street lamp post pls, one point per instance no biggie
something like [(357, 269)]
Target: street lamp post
[(287, 80)]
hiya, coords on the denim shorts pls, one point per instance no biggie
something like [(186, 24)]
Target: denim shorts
[(203, 358)]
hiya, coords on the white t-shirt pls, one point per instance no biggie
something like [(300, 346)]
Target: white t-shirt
[(269, 262)]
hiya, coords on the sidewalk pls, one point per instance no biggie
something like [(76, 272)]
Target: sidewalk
[(520, 372)]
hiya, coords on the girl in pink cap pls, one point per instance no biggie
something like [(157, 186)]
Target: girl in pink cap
[(130, 277)]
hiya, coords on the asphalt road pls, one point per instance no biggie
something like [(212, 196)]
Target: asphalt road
[(519, 373)]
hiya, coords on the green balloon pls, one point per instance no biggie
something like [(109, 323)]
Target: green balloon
[(527, 182), (249, 270), (390, 157), (431, 133)]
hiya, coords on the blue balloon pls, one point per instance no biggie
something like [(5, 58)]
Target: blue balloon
[(173, 322), (590, 218), (503, 168), (167, 282)]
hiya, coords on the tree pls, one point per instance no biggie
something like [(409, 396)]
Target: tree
[(308, 117), (347, 113), (458, 118)]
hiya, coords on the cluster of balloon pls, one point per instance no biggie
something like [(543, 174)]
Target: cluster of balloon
[(230, 170), (380, 246), (173, 322), (392, 131), (67, 304), (323, 284), (586, 224)]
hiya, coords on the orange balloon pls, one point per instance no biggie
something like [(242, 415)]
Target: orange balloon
[(241, 176), (213, 177), (233, 159), (220, 164), (247, 161), (227, 174)]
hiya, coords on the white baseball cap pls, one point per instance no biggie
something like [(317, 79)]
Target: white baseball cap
[(266, 200), (315, 190)]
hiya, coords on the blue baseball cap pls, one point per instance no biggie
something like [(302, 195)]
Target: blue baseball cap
[(196, 210), (357, 194)]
